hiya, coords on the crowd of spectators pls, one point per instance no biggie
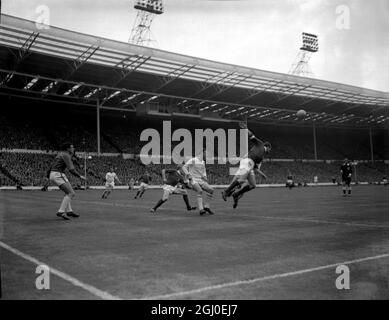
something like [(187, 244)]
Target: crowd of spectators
[(122, 136), (29, 169)]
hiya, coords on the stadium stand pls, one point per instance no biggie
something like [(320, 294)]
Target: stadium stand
[(27, 146)]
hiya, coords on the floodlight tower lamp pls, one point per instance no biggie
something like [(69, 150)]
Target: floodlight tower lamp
[(141, 32)]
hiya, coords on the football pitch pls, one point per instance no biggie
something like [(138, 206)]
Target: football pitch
[(278, 244)]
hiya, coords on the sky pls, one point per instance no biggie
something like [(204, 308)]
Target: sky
[(263, 34)]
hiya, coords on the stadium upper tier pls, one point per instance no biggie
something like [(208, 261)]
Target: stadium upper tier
[(62, 65)]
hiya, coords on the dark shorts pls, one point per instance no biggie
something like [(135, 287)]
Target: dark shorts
[(346, 180)]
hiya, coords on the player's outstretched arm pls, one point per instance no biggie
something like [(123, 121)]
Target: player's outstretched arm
[(250, 134), (70, 166), (76, 174)]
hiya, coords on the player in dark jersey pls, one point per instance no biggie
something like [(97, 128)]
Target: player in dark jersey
[(289, 181), (144, 181), (174, 183), (63, 161), (245, 176), (346, 172)]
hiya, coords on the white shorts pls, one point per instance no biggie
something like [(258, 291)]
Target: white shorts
[(110, 185), (58, 178), (245, 166), (200, 182), (144, 185), (173, 190)]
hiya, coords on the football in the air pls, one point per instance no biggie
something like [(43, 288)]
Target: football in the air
[(301, 114)]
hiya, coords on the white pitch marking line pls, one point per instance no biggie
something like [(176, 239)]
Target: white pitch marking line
[(96, 292), (272, 277)]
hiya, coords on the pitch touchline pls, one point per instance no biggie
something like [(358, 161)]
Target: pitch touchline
[(96, 292), (261, 279)]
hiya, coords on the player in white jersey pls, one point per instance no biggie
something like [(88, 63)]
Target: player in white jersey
[(196, 172), (110, 179)]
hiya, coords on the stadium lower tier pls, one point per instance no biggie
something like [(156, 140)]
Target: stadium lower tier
[(29, 169)]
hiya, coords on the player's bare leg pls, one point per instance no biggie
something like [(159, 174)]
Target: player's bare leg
[(208, 197), (140, 193), (346, 188), (187, 203), (165, 197), (106, 194), (235, 183), (66, 202), (250, 185), (199, 193)]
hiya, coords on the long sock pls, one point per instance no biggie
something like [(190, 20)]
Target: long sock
[(200, 202), (186, 200), (208, 198), (140, 196), (349, 191), (231, 187), (103, 195), (159, 203), (137, 194), (69, 207), (344, 190), (108, 193), (64, 204), (240, 192)]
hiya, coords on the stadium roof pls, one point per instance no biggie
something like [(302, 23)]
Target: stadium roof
[(66, 66)]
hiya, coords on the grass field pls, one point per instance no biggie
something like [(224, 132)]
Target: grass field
[(278, 244)]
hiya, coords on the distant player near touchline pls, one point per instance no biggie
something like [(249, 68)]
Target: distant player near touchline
[(289, 181), (245, 176), (57, 175), (110, 179), (174, 183), (346, 171), (196, 172), (144, 185)]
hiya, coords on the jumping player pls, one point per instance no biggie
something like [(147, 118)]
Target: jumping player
[(110, 179), (245, 176), (346, 171), (144, 185), (174, 183), (62, 162), (195, 170)]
